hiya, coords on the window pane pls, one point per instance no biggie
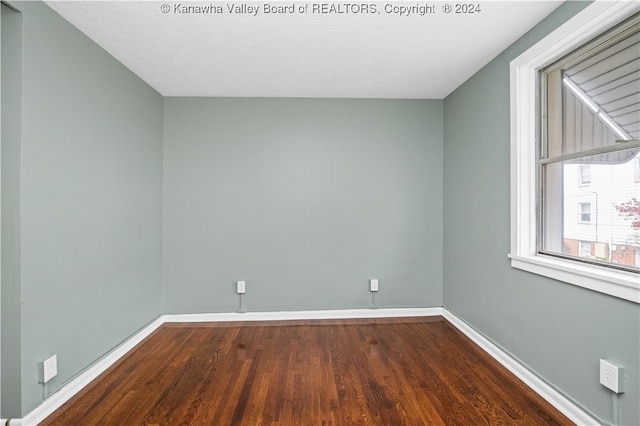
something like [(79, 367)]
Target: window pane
[(593, 100), (585, 174), (604, 215), (585, 212)]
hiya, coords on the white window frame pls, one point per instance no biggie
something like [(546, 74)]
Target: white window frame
[(593, 20), (581, 212), (582, 175)]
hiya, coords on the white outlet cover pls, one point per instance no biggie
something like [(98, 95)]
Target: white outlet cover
[(50, 368), (373, 284), (241, 287), (611, 376)]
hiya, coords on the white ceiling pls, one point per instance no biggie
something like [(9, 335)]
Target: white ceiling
[(302, 55)]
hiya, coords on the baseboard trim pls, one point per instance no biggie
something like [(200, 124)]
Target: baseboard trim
[(306, 315), (550, 394), (567, 407)]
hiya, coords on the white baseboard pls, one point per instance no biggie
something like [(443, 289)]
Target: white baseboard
[(550, 394), (306, 315), (541, 387)]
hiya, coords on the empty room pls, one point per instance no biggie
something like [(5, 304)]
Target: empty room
[(320, 213)]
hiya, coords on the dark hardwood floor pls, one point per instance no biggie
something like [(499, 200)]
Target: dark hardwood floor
[(401, 371)]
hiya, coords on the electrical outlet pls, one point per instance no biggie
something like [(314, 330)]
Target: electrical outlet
[(241, 287), (611, 376), (373, 284), (48, 369)]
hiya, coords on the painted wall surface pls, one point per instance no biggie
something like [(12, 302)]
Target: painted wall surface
[(10, 285), (91, 196), (305, 200), (559, 330)]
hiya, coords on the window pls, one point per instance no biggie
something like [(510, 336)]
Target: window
[(588, 120), (584, 249), (586, 98), (585, 212), (584, 175), (574, 130)]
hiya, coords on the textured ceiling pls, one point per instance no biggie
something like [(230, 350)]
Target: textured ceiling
[(331, 55)]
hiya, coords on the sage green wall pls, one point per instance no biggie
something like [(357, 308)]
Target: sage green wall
[(559, 330), (10, 288), (91, 202), (305, 199)]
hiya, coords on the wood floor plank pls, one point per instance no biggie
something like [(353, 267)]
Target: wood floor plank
[(394, 371)]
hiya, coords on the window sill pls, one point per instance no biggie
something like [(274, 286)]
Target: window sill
[(622, 284)]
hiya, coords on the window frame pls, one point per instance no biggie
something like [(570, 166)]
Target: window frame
[(582, 212), (582, 175), (589, 23)]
